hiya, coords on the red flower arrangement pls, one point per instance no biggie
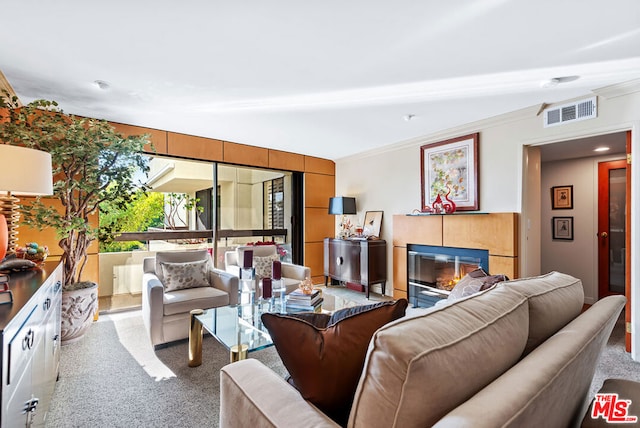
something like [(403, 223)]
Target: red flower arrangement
[(282, 252)]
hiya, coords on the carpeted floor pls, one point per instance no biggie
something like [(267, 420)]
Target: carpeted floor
[(113, 378), (614, 361)]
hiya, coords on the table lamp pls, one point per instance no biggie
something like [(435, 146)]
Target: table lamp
[(25, 172), (342, 205)]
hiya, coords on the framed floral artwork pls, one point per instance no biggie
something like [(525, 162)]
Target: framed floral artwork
[(450, 169)]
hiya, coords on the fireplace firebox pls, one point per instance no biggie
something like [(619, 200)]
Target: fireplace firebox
[(433, 271)]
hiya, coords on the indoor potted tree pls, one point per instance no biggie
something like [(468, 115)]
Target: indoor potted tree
[(92, 163)]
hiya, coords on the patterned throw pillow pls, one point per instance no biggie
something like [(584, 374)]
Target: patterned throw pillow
[(178, 276), (262, 265), (474, 282)]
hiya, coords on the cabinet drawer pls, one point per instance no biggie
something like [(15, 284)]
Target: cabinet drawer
[(22, 345)]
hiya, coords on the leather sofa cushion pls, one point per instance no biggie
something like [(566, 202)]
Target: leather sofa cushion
[(184, 300), (325, 362), (418, 368), (554, 300)]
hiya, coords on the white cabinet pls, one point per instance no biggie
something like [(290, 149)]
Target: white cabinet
[(30, 346)]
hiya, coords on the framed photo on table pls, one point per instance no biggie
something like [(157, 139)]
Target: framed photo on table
[(450, 169), (562, 228), (562, 197), (372, 224)]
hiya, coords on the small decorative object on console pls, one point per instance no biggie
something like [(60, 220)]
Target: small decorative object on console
[(306, 286), (34, 252)]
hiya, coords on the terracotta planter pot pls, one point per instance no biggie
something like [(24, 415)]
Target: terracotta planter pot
[(78, 309)]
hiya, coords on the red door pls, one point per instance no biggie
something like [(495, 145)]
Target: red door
[(614, 232), (612, 190)]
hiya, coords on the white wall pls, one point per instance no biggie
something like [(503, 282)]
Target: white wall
[(388, 179), (579, 257)]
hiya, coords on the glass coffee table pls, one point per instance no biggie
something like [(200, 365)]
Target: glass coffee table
[(239, 328)]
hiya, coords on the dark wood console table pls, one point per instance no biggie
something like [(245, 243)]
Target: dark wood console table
[(357, 261)]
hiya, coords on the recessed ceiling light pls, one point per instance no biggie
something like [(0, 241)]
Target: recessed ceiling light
[(601, 149), (555, 81), (102, 84)]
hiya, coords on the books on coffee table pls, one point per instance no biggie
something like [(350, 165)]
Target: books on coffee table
[(300, 301)]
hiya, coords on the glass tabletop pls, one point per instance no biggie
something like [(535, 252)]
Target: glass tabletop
[(232, 325)]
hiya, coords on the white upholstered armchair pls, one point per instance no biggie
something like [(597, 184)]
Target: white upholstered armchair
[(263, 256), (176, 282)]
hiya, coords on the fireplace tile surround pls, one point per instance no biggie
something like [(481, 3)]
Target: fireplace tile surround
[(495, 232)]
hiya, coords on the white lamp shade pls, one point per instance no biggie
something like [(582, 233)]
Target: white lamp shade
[(25, 171)]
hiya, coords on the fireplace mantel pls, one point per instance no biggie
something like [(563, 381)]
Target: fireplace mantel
[(495, 232)]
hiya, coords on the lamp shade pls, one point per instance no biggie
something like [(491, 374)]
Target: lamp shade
[(25, 171), (341, 205)]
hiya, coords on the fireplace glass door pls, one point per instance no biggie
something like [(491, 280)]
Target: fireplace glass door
[(433, 271)]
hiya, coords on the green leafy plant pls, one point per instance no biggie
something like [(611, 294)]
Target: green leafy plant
[(92, 164), (145, 210)]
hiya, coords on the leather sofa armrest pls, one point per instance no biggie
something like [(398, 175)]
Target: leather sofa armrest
[(227, 282), (153, 306), (253, 395), (292, 271)]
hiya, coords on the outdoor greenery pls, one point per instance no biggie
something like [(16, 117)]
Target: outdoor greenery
[(145, 210), (92, 164)]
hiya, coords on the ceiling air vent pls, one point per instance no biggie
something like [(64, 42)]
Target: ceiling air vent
[(579, 110)]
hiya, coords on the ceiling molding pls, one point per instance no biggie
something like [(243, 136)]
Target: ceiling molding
[(456, 131), (619, 89)]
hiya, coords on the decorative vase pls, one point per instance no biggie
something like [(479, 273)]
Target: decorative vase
[(78, 309)]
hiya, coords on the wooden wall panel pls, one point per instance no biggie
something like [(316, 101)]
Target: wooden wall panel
[(318, 224), (504, 265), (426, 230), (319, 166), (318, 188), (399, 272), (190, 146), (48, 236), (496, 232), (242, 154), (286, 161), (158, 138), (314, 259)]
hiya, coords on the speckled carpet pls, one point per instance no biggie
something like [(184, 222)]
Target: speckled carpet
[(114, 378)]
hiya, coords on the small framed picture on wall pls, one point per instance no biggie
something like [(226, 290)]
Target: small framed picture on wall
[(562, 228), (562, 197)]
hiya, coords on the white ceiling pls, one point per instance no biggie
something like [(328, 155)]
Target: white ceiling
[(329, 79)]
